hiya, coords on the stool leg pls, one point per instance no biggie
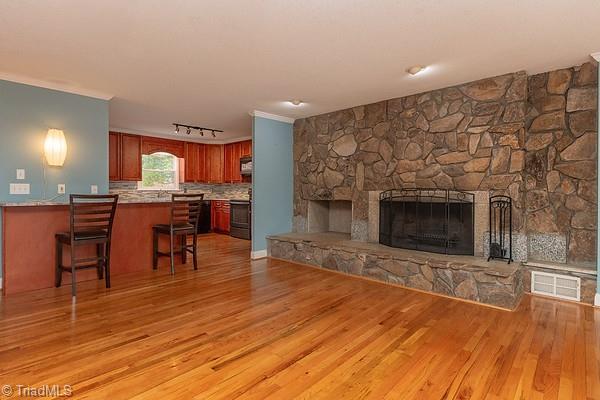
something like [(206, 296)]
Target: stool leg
[(154, 249), (100, 255), (183, 249), (171, 251), (107, 264), (73, 274), (195, 250), (58, 262)]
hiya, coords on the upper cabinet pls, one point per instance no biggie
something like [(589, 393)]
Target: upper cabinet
[(233, 153), (114, 162), (246, 148), (215, 163), (152, 145), (131, 157), (124, 157), (200, 163), (191, 162)]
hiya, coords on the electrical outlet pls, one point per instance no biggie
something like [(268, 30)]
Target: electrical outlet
[(62, 188), (94, 189), (20, 174), (19, 188)]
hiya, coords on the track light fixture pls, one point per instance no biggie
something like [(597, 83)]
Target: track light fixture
[(190, 128)]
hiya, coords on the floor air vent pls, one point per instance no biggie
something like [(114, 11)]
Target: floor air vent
[(561, 286)]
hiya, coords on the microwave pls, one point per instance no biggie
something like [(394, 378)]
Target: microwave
[(246, 165)]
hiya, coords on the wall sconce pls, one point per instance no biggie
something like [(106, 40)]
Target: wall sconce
[(55, 147)]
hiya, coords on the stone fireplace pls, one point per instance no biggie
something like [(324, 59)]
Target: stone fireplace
[(532, 138)]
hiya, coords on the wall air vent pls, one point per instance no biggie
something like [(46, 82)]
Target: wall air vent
[(561, 286)]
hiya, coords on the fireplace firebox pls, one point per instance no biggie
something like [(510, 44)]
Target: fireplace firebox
[(434, 220)]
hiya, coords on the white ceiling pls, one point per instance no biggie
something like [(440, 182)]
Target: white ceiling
[(211, 62)]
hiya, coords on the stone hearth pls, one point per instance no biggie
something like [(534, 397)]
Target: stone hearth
[(466, 277)]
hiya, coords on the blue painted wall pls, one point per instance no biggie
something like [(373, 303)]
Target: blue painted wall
[(272, 179), (26, 114)]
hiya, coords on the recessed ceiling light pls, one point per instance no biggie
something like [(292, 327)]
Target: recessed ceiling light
[(414, 70), (296, 102)]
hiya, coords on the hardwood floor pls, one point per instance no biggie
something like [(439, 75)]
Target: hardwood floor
[(271, 329)]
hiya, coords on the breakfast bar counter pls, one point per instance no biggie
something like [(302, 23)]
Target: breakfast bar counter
[(28, 229)]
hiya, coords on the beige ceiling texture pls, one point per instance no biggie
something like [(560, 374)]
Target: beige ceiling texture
[(210, 63)]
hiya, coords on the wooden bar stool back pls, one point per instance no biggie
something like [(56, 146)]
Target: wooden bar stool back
[(185, 213), (91, 222)]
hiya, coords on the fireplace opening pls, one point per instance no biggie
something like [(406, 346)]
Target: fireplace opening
[(329, 216), (434, 220)]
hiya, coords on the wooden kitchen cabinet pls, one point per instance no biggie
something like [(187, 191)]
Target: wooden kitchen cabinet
[(200, 163), (124, 157), (233, 153), (131, 157), (152, 145), (191, 164), (225, 217), (220, 215), (246, 148), (214, 163), (228, 155), (114, 151), (195, 163)]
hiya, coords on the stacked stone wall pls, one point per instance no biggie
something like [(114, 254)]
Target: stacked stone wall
[(531, 137), (560, 173)]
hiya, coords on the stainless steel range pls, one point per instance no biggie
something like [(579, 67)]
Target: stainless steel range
[(240, 219)]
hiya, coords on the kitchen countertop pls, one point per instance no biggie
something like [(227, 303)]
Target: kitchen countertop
[(40, 203)]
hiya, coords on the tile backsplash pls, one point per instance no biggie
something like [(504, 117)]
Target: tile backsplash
[(129, 190)]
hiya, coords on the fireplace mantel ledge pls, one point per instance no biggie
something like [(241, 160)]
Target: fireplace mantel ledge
[(342, 242)]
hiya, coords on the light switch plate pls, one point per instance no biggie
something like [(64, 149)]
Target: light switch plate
[(20, 174), (62, 188), (19, 188), (94, 189)]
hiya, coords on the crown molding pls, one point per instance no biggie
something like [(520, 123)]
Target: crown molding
[(274, 117), (596, 56), (54, 86)]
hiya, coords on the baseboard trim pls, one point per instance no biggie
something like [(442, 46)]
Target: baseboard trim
[(255, 255), (597, 300)]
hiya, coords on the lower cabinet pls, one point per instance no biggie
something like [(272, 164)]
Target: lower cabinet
[(220, 215)]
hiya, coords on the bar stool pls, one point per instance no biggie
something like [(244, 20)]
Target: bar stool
[(185, 213), (91, 221)]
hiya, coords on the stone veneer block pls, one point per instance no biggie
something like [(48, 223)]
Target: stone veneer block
[(374, 216), (360, 230), (548, 247), (482, 218), (470, 278), (299, 224)]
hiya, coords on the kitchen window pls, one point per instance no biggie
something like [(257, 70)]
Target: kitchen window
[(160, 171)]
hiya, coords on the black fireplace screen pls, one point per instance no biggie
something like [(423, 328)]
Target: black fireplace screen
[(435, 220)]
